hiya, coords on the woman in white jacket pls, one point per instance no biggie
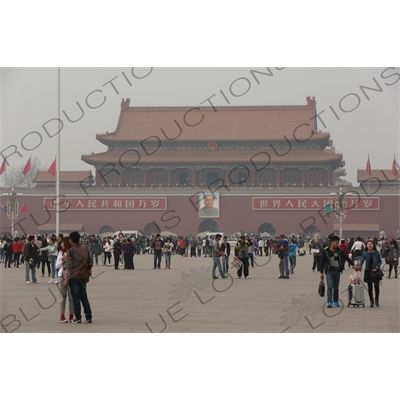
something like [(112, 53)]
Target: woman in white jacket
[(64, 291), (52, 249)]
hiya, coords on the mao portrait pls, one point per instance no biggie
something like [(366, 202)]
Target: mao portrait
[(209, 205)]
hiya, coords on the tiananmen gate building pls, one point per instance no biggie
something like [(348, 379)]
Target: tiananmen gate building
[(195, 169)]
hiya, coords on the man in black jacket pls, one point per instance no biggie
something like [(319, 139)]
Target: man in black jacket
[(31, 259), (332, 264), (226, 248)]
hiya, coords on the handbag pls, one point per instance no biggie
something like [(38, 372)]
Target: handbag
[(378, 275), (321, 288)]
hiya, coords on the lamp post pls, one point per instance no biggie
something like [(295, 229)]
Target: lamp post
[(12, 207), (340, 207)]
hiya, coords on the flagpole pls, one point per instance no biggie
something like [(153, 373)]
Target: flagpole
[(58, 159)]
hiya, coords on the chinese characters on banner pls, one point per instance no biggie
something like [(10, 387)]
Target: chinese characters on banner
[(107, 203), (313, 203)]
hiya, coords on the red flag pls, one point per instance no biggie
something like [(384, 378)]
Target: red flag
[(23, 209), (394, 167), (3, 167), (27, 167), (368, 167), (52, 168)]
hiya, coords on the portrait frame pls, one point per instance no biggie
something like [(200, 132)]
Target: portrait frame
[(209, 212)]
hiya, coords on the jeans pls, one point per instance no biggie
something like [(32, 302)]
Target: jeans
[(107, 256), (251, 258), (226, 264), (53, 267), (284, 266), (292, 260), (1, 254), (79, 295), (64, 293), (333, 279), (217, 263), (32, 269), (157, 258), (168, 259), (95, 257)]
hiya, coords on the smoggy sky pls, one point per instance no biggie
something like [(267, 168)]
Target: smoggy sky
[(30, 99)]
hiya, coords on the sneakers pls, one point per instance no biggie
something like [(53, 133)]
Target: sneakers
[(224, 277), (88, 321), (28, 281), (71, 317), (215, 277), (247, 277), (37, 282), (329, 304), (51, 281), (63, 319), (238, 277), (76, 321), (336, 304)]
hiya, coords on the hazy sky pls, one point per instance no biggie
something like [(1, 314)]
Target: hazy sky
[(30, 99)]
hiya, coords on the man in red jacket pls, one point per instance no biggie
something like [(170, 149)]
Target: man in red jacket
[(344, 247), (17, 249)]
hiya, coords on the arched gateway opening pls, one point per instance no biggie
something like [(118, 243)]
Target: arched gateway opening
[(266, 227), (208, 225)]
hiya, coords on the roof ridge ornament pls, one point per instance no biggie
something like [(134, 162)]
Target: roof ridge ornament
[(125, 104)]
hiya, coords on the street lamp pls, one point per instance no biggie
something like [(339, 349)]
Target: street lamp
[(12, 207), (340, 207)]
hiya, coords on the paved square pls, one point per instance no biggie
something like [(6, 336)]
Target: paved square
[(186, 299)]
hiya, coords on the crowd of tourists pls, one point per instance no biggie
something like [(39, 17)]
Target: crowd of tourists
[(68, 261)]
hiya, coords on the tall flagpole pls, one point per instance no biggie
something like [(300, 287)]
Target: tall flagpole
[(58, 156)]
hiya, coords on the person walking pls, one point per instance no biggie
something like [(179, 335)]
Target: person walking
[(226, 249), (216, 254), (44, 258), (373, 262), (250, 245), (157, 246), (17, 249), (283, 255), (193, 246), (316, 251), (117, 250), (79, 270), (95, 249), (107, 251), (293, 245), (31, 259), (8, 251), (65, 292), (167, 250), (52, 253), (358, 248), (332, 265), (393, 257), (242, 254), (129, 250)]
